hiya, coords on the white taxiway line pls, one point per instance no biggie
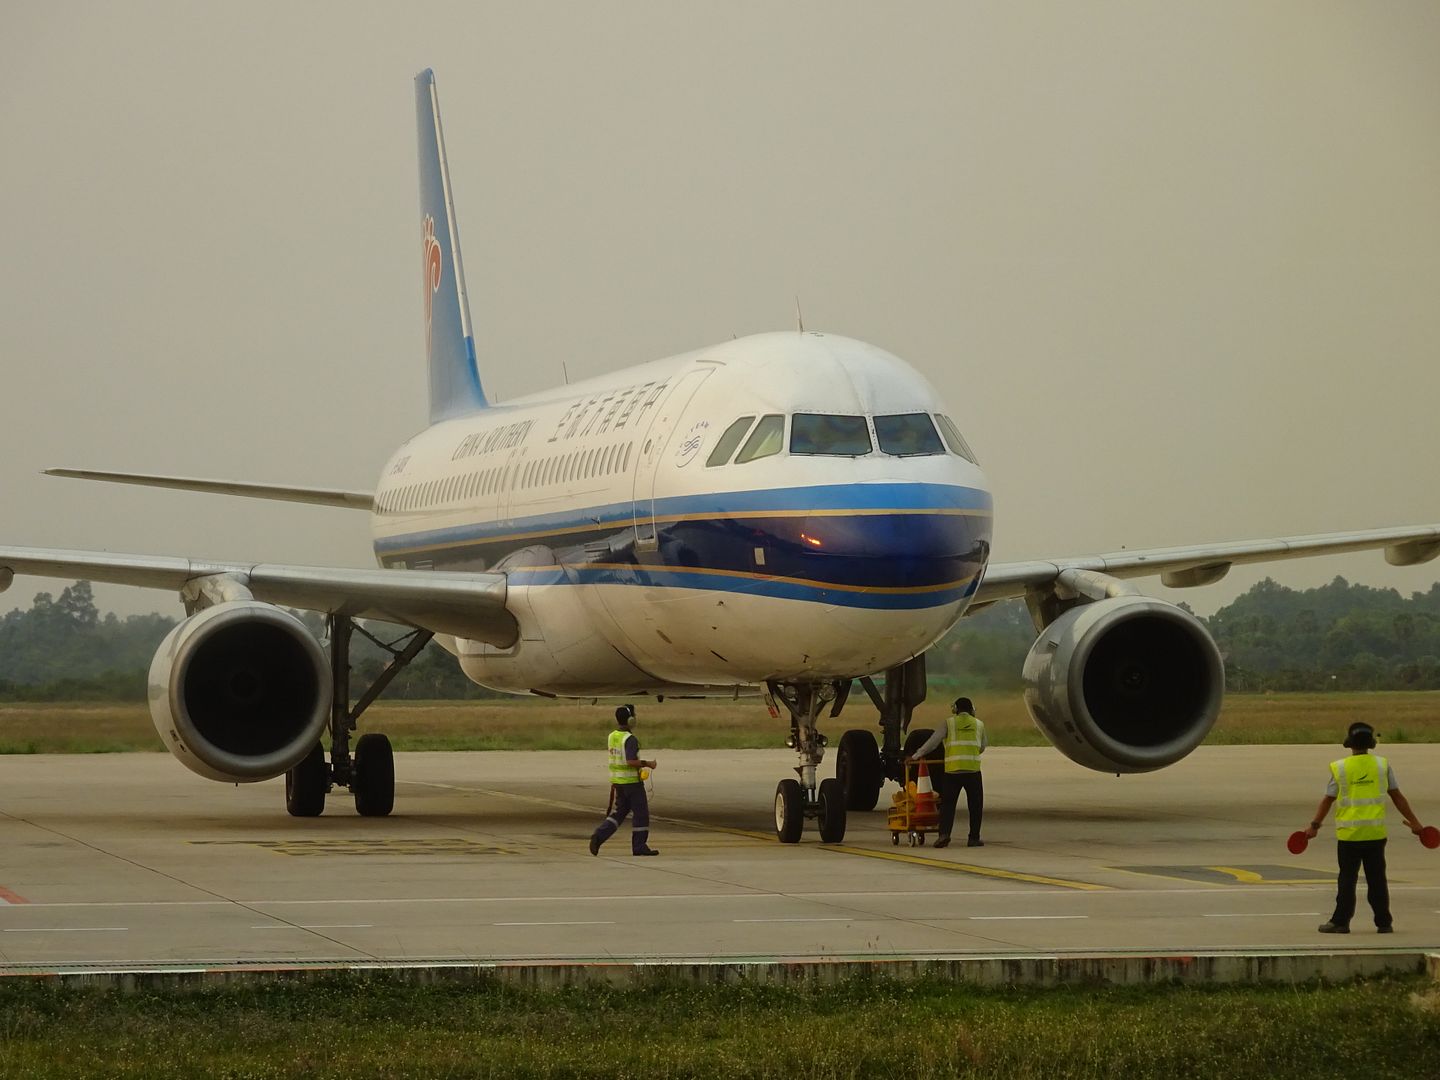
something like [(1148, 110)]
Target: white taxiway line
[(798, 918), (322, 926), (1209, 890), (1019, 918), (588, 922), (1261, 914)]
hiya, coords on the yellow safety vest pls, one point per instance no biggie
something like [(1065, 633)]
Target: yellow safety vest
[(962, 743), (620, 773), (1361, 782)]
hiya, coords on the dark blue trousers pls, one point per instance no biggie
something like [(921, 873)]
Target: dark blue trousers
[(948, 786), (629, 798), (1353, 854)]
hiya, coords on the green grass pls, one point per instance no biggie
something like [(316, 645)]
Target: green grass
[(528, 724), (355, 1027)]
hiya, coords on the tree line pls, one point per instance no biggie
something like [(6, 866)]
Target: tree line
[(63, 649), (1335, 637), (1338, 636)]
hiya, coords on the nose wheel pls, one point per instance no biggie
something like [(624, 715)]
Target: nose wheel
[(789, 811), (792, 808), (807, 796)]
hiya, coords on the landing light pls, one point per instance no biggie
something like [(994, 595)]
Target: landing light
[(811, 540)]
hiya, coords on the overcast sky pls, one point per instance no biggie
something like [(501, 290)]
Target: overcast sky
[(1176, 268)]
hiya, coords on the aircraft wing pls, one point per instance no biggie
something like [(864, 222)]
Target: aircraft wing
[(350, 500), (1203, 564), (466, 605)]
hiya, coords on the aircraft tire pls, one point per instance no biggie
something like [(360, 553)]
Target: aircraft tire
[(832, 811), (374, 783), (307, 784), (857, 767), (789, 811)]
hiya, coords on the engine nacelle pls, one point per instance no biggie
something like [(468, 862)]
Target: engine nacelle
[(1125, 684), (240, 691)]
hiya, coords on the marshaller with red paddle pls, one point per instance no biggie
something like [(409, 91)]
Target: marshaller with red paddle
[(1359, 784)]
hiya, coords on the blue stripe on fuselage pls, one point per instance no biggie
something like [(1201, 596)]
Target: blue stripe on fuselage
[(867, 498), (904, 546)]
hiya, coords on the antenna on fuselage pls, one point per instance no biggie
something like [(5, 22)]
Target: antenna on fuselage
[(799, 318), (565, 371)]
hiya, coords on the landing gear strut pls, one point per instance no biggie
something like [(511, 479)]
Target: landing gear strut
[(904, 689), (862, 765), (370, 772), (796, 800)]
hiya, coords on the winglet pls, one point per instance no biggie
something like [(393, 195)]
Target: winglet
[(449, 337)]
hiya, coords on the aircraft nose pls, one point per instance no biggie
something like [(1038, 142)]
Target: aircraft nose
[(914, 555)]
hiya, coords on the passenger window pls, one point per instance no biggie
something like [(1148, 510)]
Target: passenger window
[(822, 433), (955, 440), (729, 441), (767, 439), (907, 435)]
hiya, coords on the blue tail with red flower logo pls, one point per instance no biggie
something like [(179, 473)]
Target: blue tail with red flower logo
[(449, 338)]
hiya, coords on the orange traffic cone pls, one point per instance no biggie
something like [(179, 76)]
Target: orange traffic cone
[(927, 807)]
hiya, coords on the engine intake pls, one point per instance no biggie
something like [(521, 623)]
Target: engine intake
[(1127, 684), (240, 692)]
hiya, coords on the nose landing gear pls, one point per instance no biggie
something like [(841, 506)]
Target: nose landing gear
[(806, 796)]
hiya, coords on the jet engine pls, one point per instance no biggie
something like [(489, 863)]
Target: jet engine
[(240, 691), (1124, 684)]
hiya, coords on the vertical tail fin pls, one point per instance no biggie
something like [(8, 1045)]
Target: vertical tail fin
[(449, 339)]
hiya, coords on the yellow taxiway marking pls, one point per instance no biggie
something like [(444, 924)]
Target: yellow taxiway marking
[(769, 838), (415, 845), (1216, 875), (1249, 877), (559, 804), (967, 868)]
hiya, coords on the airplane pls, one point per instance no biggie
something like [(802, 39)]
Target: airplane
[(790, 514)]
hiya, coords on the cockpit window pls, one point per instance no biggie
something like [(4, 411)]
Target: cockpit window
[(767, 438), (821, 433), (955, 440), (728, 441), (907, 435)]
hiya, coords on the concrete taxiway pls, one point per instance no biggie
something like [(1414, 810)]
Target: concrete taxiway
[(113, 860)]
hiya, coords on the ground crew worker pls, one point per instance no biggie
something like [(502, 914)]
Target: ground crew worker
[(627, 792), (965, 740), (1359, 783)]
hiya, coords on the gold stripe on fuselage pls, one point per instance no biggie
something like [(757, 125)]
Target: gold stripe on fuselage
[(808, 582), (625, 523)]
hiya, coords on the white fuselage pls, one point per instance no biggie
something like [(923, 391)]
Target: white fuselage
[(633, 564)]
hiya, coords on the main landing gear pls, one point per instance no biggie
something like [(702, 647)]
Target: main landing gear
[(862, 763), (370, 772)]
